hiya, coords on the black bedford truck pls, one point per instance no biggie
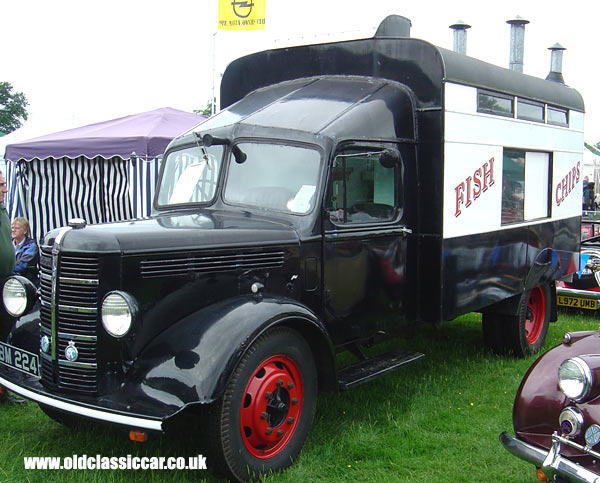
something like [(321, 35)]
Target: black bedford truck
[(344, 191)]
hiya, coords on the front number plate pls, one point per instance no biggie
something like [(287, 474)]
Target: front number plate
[(577, 302), (19, 359)]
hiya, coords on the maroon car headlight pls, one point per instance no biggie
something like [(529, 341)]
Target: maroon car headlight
[(578, 377)]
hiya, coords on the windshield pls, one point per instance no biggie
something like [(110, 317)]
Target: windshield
[(274, 176), (190, 175)]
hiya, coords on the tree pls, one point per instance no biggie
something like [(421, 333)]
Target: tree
[(208, 110), (12, 108), (594, 149)]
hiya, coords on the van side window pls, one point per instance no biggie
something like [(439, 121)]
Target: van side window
[(493, 103), (525, 178), (363, 190)]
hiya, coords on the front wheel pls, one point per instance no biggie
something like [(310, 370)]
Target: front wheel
[(262, 421)]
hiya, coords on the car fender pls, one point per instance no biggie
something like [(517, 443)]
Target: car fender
[(191, 362)]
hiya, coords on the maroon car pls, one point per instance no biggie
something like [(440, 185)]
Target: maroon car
[(556, 415)]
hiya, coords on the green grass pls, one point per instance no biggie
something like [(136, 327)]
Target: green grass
[(435, 420)]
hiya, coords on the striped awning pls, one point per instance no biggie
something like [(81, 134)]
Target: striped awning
[(49, 184)]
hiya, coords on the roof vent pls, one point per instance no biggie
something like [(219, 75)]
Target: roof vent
[(517, 42), (394, 26), (556, 57), (460, 36)]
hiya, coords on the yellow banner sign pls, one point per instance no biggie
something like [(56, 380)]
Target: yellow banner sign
[(242, 15)]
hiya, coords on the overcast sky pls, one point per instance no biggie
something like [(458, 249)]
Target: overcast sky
[(79, 62)]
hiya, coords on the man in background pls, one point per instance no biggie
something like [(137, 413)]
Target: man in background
[(26, 250)]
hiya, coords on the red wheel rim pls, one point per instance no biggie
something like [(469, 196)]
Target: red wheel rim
[(271, 406), (536, 314)]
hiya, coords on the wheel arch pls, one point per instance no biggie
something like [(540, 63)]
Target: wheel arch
[(322, 350), (206, 347), (543, 271)]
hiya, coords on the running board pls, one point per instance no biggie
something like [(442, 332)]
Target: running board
[(368, 369)]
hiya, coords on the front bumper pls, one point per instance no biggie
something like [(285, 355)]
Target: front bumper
[(573, 292), (552, 463), (108, 410)]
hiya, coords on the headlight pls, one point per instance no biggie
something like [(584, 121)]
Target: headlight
[(575, 379), (14, 296), (118, 312)]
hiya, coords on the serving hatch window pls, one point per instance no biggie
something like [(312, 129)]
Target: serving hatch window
[(190, 175), (276, 177), (525, 177)]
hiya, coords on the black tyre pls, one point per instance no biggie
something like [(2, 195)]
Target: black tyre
[(527, 333), (522, 334), (493, 326), (263, 419)]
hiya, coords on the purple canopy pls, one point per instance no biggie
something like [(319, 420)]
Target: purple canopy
[(147, 134)]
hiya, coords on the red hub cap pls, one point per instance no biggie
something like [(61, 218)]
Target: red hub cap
[(536, 314), (271, 406)]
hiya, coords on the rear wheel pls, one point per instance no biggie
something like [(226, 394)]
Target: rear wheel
[(528, 333), (522, 334), (262, 421)]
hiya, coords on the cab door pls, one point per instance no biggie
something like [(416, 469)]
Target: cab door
[(365, 242)]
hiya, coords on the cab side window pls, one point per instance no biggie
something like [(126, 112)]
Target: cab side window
[(363, 188)]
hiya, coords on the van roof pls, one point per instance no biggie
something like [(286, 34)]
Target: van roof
[(413, 62)]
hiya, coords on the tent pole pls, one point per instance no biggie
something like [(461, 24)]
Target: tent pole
[(213, 108)]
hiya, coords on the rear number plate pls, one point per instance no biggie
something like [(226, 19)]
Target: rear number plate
[(577, 302), (19, 359)]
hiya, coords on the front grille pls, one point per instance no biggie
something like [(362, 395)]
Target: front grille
[(75, 320), (183, 264)]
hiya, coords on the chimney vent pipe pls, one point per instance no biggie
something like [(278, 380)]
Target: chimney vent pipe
[(556, 57), (517, 42), (460, 36)]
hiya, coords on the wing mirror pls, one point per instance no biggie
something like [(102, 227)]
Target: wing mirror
[(209, 140)]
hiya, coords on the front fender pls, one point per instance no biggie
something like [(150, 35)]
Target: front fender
[(24, 332), (192, 361)]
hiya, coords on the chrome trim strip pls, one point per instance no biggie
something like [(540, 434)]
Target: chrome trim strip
[(78, 310), (551, 462), (80, 365), (102, 415), (76, 337), (53, 301), (45, 356), (79, 281)]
